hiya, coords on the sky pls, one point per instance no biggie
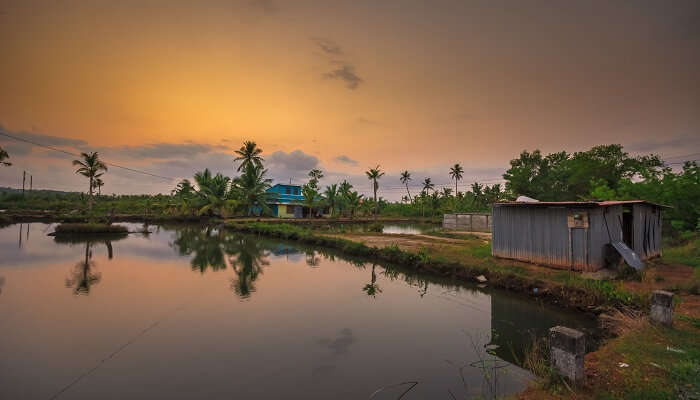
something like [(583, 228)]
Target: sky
[(173, 87)]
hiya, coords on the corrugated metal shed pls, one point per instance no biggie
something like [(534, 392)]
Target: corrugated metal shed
[(574, 235)]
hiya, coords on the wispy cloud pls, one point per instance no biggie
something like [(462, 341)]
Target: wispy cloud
[(342, 69), (674, 144), (328, 46), (160, 150), (346, 160), (347, 74)]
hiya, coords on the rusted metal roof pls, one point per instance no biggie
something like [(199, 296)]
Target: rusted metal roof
[(578, 203)]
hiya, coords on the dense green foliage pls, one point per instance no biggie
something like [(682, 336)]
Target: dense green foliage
[(89, 228)]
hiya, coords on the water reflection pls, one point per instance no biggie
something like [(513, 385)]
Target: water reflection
[(310, 333), (247, 258), (211, 248), (372, 289), (84, 274)]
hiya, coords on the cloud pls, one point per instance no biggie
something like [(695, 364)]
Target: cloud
[(23, 148), (328, 46), (346, 73), (343, 70), (160, 150), (297, 160), (345, 159), (678, 143)]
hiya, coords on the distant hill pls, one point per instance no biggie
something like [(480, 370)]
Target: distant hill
[(43, 191)]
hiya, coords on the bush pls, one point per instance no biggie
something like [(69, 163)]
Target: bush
[(375, 227), (89, 228)]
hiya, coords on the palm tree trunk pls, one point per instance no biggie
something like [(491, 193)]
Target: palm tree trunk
[(409, 194), (90, 196), (455, 195), (376, 205)]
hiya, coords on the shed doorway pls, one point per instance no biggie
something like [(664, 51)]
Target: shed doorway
[(628, 227)]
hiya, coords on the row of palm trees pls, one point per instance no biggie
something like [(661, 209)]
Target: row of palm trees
[(219, 195)]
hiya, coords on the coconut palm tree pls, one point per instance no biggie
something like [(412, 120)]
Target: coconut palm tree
[(456, 172), (311, 197), (249, 154), (374, 174), (90, 167), (427, 187), (4, 156), (405, 178), (353, 201), (343, 193), (331, 195), (251, 190), (98, 184)]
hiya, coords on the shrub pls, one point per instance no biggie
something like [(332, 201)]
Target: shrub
[(89, 228)]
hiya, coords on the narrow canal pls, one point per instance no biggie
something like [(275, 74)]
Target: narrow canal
[(191, 312)]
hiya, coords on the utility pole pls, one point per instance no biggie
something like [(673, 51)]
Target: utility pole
[(24, 179), (31, 182)]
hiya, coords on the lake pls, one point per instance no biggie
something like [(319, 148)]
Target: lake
[(191, 312)]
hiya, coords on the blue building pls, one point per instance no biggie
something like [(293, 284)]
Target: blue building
[(289, 202)]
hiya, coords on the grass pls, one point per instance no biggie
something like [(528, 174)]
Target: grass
[(89, 228), (466, 262), (688, 252)]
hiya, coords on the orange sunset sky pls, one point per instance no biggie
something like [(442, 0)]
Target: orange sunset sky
[(171, 87)]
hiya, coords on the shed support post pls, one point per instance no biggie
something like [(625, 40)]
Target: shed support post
[(568, 348), (662, 307)]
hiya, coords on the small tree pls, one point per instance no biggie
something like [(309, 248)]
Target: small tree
[(405, 178), (374, 174), (4, 156), (90, 167)]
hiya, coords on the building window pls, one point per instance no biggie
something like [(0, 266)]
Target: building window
[(296, 191), (290, 209), (288, 191)]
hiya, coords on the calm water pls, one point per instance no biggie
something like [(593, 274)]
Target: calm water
[(391, 228), (190, 312)]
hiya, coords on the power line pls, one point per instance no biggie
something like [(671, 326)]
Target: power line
[(682, 162), (78, 155)]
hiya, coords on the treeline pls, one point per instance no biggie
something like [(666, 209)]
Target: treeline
[(604, 172)]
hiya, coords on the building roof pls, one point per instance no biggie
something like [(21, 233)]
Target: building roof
[(577, 203)]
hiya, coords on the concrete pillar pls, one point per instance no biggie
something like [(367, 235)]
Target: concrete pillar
[(567, 348), (661, 307)]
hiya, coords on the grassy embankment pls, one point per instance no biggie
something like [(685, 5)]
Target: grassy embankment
[(89, 229), (663, 363), (466, 262)]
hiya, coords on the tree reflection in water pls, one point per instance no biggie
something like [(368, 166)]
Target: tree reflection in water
[(213, 249), (205, 245), (247, 260), (83, 276), (372, 288)]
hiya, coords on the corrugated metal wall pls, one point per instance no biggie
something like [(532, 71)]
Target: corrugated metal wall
[(542, 235), (647, 230), (468, 222), (535, 234)]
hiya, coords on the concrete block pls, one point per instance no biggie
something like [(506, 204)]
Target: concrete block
[(661, 307), (568, 347)]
